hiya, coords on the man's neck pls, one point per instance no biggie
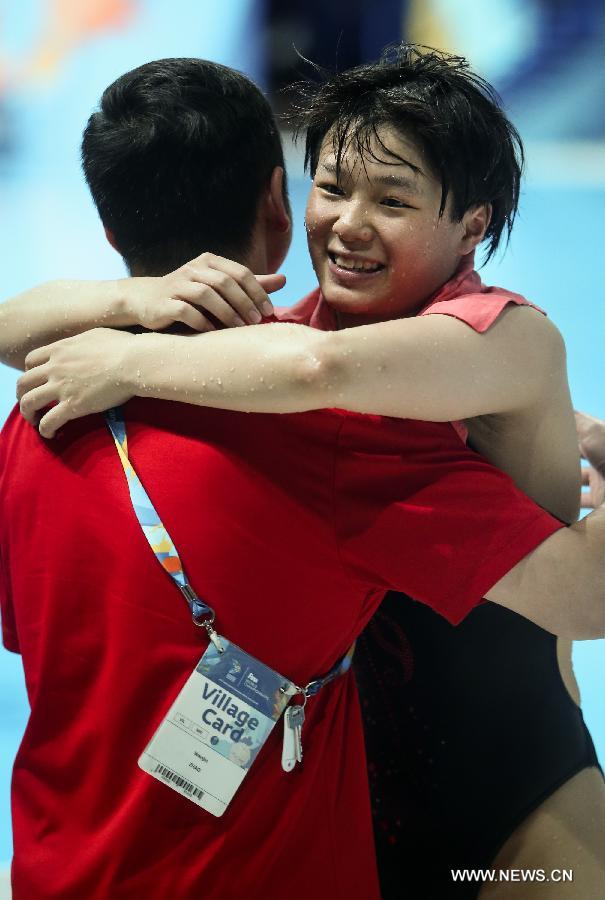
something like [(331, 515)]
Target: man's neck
[(255, 261)]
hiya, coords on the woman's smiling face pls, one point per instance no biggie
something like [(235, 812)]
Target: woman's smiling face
[(378, 244)]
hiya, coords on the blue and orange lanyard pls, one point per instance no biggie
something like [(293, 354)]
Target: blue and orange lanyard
[(167, 555)]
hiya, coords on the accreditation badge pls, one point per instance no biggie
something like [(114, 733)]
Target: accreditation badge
[(217, 725)]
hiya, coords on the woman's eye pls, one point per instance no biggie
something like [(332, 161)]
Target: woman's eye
[(394, 203), (330, 188)]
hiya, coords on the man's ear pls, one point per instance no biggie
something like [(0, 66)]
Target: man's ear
[(111, 240), (475, 222), (277, 221), (278, 208)]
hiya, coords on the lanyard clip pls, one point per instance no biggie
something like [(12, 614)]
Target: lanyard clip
[(199, 609), (313, 687)]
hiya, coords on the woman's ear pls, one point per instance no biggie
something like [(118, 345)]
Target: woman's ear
[(476, 222)]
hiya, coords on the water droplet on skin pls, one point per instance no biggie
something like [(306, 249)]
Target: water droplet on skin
[(203, 384), (218, 381), (194, 379)]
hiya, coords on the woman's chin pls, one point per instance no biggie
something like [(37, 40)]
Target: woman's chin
[(347, 300), (379, 305)]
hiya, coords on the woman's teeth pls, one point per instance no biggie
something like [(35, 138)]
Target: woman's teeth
[(355, 265)]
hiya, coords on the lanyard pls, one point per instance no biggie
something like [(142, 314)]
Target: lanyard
[(157, 537), (167, 555)]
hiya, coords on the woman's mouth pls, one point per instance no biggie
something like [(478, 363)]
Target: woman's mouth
[(349, 269)]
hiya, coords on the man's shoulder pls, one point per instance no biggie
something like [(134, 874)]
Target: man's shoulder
[(11, 422), (16, 430), (26, 458)]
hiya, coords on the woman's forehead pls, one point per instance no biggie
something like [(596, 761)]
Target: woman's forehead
[(386, 156), (381, 145)]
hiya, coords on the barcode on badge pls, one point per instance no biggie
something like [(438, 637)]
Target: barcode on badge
[(179, 781)]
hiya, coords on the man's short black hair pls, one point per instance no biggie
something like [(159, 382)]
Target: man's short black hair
[(433, 98), (176, 159)]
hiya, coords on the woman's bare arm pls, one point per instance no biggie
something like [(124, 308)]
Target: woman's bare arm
[(434, 368), (559, 585), (60, 309)]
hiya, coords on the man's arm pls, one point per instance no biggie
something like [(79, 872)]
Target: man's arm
[(561, 584), (439, 523), (434, 368), (226, 290)]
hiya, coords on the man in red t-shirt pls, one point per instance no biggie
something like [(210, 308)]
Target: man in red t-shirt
[(291, 527)]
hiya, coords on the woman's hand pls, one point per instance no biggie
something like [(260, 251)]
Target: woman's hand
[(591, 437), (205, 294), (84, 374), (225, 290), (89, 372)]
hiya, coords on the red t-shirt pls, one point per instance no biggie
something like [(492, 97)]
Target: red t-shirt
[(292, 527)]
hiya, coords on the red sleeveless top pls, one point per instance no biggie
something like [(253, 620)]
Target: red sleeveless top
[(464, 297)]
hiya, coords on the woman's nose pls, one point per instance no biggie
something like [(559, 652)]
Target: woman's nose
[(353, 224)]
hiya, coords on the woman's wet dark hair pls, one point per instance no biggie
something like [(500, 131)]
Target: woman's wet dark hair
[(434, 98)]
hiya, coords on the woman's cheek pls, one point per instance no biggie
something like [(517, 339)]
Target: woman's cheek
[(315, 216)]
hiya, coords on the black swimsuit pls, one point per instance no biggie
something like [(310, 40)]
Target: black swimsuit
[(468, 729)]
